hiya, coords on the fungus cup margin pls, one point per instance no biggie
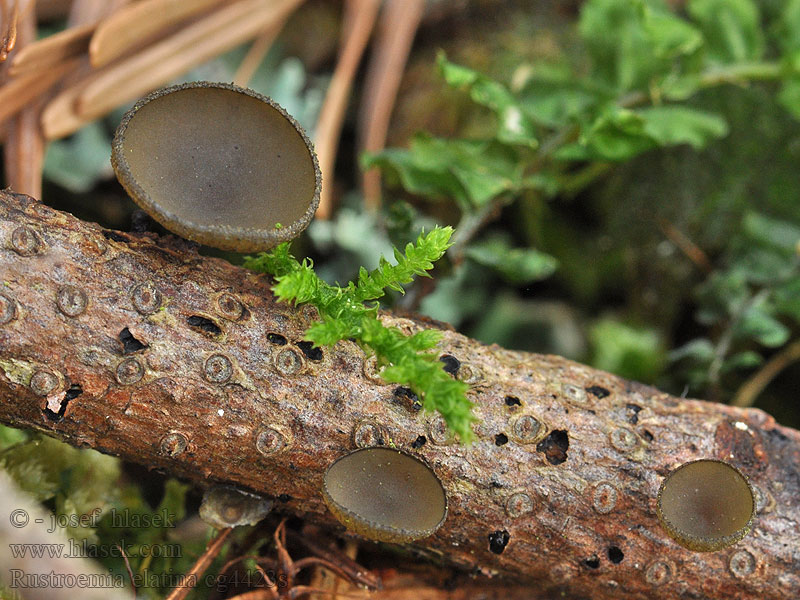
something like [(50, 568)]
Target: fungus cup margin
[(699, 543), (374, 530), (221, 236)]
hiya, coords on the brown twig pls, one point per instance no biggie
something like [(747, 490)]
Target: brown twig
[(578, 475), (142, 22), (686, 245), (256, 53), (24, 145), (157, 64), (359, 21), (752, 388), (398, 25), (201, 564)]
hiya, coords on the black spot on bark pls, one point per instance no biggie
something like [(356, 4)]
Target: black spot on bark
[(419, 442), (311, 352), (593, 562), (633, 413), (615, 555), (598, 391), (73, 392), (203, 324), (555, 446), (647, 435), (407, 398), (114, 236), (513, 401), (500, 439), (129, 343), (276, 338), (498, 540), (451, 364)]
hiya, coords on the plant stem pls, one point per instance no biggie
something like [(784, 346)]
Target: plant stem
[(753, 387)]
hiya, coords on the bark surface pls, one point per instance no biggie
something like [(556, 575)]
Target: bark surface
[(139, 347)]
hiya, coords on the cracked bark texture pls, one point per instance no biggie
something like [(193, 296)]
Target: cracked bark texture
[(139, 347)]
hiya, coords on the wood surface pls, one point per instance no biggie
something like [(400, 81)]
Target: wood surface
[(139, 347)]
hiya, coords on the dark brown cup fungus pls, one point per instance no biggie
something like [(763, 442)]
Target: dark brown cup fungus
[(225, 506), (706, 505), (385, 495), (218, 164)]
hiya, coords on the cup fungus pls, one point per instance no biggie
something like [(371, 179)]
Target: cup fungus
[(706, 505), (218, 164), (225, 506), (385, 495)]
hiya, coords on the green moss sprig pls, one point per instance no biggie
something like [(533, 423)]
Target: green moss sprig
[(351, 312)]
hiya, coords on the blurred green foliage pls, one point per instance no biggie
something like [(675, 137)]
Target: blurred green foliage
[(592, 158), (631, 202)]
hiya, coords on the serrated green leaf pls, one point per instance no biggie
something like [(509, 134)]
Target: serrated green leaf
[(633, 352), (516, 265), (623, 54), (472, 172), (554, 96), (344, 315), (669, 35), (742, 360), (758, 324), (616, 135), (699, 350), (732, 29), (513, 124), (673, 125), (786, 299), (789, 96), (788, 26), (772, 233)]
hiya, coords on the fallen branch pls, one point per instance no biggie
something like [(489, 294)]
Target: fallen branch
[(137, 346)]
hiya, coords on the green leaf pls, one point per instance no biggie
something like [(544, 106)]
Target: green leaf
[(617, 134), (721, 295), (788, 28), (670, 36), (732, 29), (759, 325), (742, 360), (633, 352), (699, 350), (516, 265), (674, 125), (630, 41), (789, 96), (772, 233), (513, 125), (554, 96), (786, 299), (472, 172)]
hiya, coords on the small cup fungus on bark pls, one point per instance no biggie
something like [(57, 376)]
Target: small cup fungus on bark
[(385, 495), (224, 506), (218, 164), (706, 505)]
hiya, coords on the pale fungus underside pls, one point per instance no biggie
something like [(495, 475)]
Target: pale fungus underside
[(385, 495), (224, 506), (706, 505), (218, 164)]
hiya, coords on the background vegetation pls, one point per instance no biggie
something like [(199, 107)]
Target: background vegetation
[(621, 176)]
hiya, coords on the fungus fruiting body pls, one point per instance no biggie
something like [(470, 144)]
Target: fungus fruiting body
[(224, 506), (385, 495), (706, 505), (218, 164)]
